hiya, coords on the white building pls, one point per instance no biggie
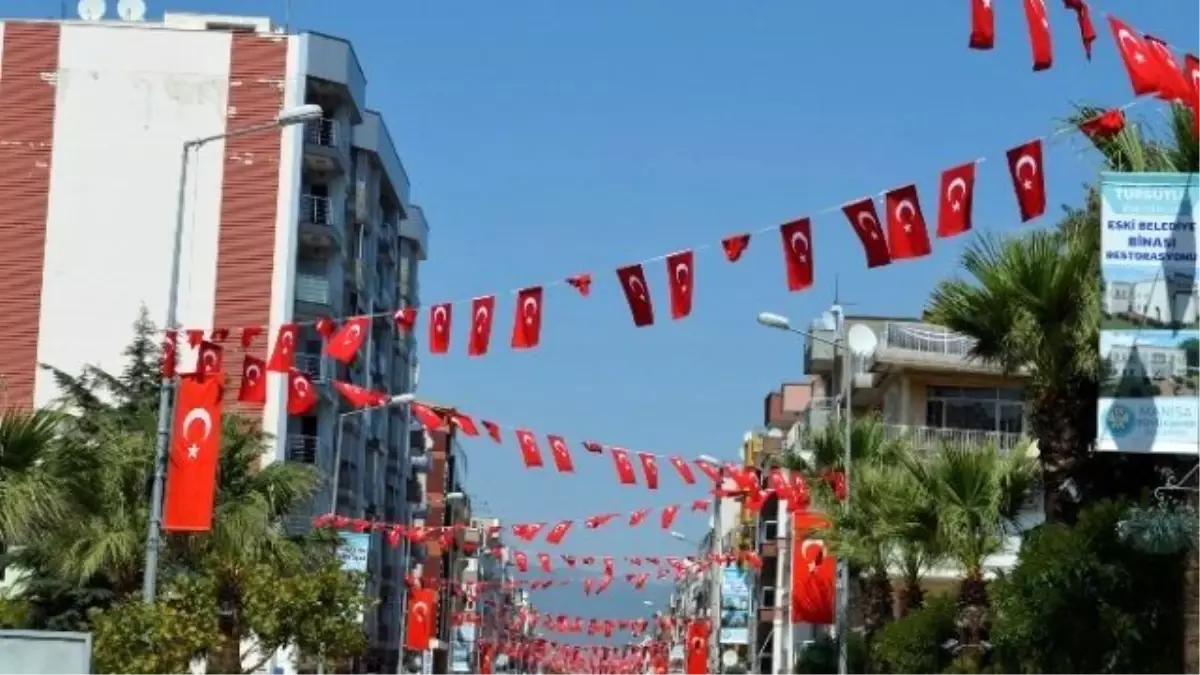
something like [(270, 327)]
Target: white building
[(1147, 361), (305, 221), (1169, 298)]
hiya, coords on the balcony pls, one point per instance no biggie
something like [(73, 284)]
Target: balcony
[(931, 438), (325, 146), (320, 226), (922, 346), (309, 364), (313, 290), (302, 449)]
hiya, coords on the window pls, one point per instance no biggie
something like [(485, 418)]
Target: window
[(975, 408)]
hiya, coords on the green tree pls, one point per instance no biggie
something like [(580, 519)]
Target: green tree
[(29, 493), (914, 643)]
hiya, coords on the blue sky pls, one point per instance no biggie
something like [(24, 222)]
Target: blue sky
[(548, 138)]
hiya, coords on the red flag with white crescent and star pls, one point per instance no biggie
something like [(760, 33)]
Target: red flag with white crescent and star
[(283, 354), (192, 478), (983, 25), (667, 517), (1105, 125), (561, 453), (439, 328), (958, 194), (696, 655), (1135, 54), (1087, 30), (865, 221), (637, 294), (1172, 84), (253, 388), (797, 253), (360, 397), (1038, 23), (530, 454), (1025, 166), (405, 319), (527, 324), (560, 529), (343, 345), (625, 472), (544, 562), (210, 359), (422, 608), (301, 394), (482, 310), (908, 236), (649, 469), (735, 245), (681, 275), (682, 468)]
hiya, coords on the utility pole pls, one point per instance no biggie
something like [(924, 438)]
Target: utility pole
[(718, 568), (843, 590)]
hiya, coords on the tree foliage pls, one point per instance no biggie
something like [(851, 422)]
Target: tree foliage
[(914, 643)]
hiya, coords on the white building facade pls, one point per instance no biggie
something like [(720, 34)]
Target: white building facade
[(307, 221)]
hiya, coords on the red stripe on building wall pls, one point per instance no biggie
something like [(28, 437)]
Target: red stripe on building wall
[(28, 71), (246, 243)]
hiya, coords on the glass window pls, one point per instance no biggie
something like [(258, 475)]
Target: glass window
[(977, 408)]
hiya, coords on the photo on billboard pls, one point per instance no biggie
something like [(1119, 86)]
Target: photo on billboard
[(1150, 314)]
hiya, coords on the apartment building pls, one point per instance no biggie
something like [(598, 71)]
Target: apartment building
[(286, 225)]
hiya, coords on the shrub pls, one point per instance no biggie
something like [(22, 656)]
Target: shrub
[(913, 644), (820, 657)]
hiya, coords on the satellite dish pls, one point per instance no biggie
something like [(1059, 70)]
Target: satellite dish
[(729, 658), (92, 10), (862, 340), (131, 10)]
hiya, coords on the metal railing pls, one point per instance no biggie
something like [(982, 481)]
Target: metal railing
[(316, 210), (323, 131), (302, 448), (931, 438), (312, 289), (925, 338), (309, 364)]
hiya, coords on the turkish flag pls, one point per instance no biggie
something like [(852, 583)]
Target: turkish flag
[(439, 328), (521, 560), (562, 454), (696, 658), (529, 449), (360, 397), (684, 471), (649, 468), (638, 516), (1191, 73), (325, 327), (405, 319), (344, 344), (560, 529), (253, 388), (624, 467), (681, 276), (813, 572), (1025, 166), (734, 246), (527, 325), (195, 443), (481, 325), (1087, 31), (284, 352), (169, 355), (908, 236), (633, 282), (709, 469), (1038, 23), (1105, 125), (432, 421), (667, 517), (1143, 70), (301, 395), (797, 253), (544, 561), (983, 25), (1172, 84), (422, 608), (865, 222), (957, 197), (210, 359)]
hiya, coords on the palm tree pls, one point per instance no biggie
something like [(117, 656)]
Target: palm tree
[(28, 492), (977, 495), (911, 514)]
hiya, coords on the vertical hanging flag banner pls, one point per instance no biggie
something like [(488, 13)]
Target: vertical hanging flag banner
[(1149, 326), (195, 445)]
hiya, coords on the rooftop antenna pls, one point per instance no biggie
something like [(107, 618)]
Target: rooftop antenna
[(131, 10)]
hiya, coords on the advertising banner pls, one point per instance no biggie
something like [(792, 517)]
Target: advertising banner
[(353, 550), (1150, 327), (735, 606)]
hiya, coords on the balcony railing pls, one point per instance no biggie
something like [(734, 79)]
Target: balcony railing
[(302, 448), (931, 438), (312, 289), (323, 131), (316, 210), (925, 338), (309, 364)]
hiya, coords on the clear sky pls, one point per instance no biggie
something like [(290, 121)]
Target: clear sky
[(548, 138)]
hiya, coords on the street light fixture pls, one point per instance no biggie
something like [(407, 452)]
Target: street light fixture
[(285, 118), (771, 320), (679, 535), (707, 458), (396, 400)]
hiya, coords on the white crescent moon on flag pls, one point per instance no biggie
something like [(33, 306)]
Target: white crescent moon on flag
[(1125, 37), (682, 273), (905, 205), (959, 183), (352, 334), (808, 543), (866, 216), (197, 415), (799, 236), (641, 288), (1023, 161), (210, 359), (439, 318), (253, 372), (301, 387), (529, 309), (288, 339), (559, 447), (481, 317)]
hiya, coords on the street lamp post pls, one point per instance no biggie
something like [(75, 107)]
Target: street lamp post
[(398, 399), (287, 118), (841, 348)]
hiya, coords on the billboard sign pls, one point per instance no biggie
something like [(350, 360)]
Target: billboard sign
[(735, 606), (1150, 326)]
